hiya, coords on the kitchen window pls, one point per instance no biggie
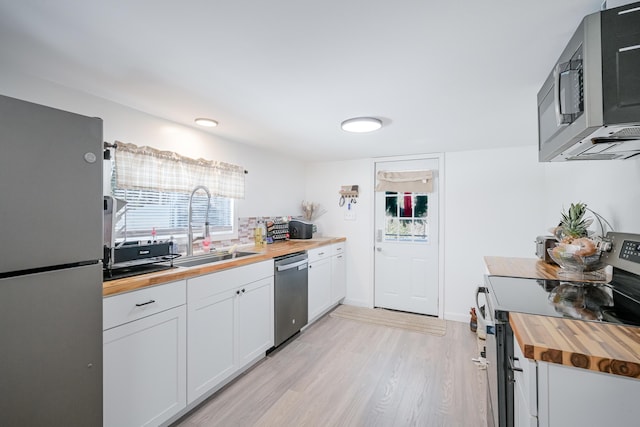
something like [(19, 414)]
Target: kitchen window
[(167, 213), (157, 186)]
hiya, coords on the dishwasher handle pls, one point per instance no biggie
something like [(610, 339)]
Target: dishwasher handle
[(300, 265)]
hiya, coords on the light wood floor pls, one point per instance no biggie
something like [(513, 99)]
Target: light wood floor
[(342, 372)]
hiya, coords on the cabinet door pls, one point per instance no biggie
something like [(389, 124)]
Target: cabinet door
[(210, 342), (145, 369), (255, 320), (521, 412), (571, 396), (338, 277), (319, 287)]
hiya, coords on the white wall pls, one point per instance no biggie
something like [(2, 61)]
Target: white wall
[(493, 203), (273, 185), (323, 183), (610, 188)]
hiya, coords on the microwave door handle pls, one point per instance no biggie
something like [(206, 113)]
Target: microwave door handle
[(566, 76), (556, 94)]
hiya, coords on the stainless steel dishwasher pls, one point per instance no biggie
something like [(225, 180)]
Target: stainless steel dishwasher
[(291, 293)]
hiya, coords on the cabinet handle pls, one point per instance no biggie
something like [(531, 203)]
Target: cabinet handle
[(321, 253), (339, 256), (151, 301), (243, 291), (512, 365), (238, 292)]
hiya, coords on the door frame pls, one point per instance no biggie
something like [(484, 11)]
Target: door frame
[(441, 220)]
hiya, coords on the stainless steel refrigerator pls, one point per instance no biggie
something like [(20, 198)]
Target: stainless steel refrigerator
[(50, 269)]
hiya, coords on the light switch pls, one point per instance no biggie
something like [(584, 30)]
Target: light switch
[(350, 213)]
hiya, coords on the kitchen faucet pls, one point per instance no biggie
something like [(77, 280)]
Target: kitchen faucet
[(190, 239)]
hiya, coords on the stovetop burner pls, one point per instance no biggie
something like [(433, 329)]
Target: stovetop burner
[(575, 300)]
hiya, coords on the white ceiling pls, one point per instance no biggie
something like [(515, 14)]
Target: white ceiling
[(283, 74)]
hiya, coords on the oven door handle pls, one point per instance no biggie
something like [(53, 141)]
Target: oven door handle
[(513, 368), (481, 290)]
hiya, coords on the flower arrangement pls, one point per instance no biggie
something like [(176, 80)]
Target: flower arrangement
[(312, 211)]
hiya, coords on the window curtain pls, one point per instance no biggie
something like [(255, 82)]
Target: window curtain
[(145, 168), (405, 182)]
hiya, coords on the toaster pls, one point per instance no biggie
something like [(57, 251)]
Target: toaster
[(542, 244), (300, 229)]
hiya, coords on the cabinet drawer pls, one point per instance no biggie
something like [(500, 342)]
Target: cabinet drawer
[(120, 309), (337, 248), (222, 281), (319, 253)]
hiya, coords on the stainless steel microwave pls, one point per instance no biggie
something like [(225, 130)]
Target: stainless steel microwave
[(589, 106)]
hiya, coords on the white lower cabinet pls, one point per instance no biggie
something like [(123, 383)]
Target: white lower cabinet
[(580, 397), (230, 318), (210, 342), (255, 320), (327, 278), (551, 395), (525, 394), (319, 278), (145, 358), (338, 272)]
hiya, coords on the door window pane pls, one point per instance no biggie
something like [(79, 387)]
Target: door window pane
[(391, 229), (407, 217), (420, 206), (406, 205)]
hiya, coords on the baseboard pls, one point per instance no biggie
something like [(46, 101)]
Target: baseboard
[(457, 317), (357, 303)]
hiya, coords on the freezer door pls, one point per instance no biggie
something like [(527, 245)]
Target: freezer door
[(50, 186), (51, 348)]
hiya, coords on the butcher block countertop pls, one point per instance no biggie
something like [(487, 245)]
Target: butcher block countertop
[(613, 349), (600, 347), (531, 268), (180, 273)]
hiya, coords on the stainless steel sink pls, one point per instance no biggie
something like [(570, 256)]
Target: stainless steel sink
[(210, 258)]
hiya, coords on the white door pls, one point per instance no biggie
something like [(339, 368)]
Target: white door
[(406, 243)]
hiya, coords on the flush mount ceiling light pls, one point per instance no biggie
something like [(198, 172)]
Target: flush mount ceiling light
[(206, 122), (362, 124)]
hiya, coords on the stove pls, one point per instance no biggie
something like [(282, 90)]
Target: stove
[(601, 302), (617, 302)]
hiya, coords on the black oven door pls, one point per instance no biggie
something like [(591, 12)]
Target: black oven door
[(492, 379), (491, 354), (499, 348)]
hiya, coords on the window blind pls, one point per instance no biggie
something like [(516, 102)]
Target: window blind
[(146, 168), (406, 181), (167, 212)]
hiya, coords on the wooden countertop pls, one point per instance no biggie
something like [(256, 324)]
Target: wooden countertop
[(599, 347), (531, 268), (263, 253), (596, 346)]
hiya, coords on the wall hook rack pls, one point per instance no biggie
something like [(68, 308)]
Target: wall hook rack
[(348, 192)]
